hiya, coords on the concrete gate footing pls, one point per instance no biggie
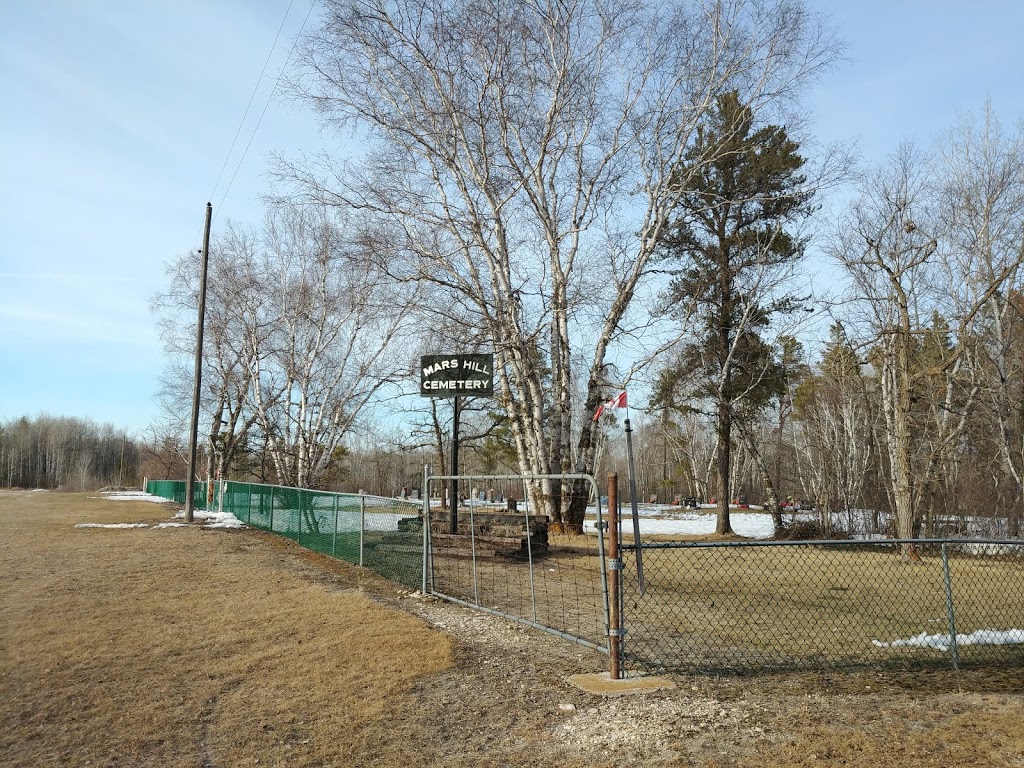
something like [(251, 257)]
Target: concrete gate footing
[(601, 683)]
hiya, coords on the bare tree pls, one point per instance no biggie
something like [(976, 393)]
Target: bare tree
[(61, 452), (982, 189), (522, 158), (233, 304), (300, 337), (922, 295), (331, 342), (884, 247)]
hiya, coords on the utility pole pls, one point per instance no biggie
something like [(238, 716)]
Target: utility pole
[(190, 481)]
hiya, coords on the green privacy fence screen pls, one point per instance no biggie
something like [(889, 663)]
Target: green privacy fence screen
[(379, 533), (175, 491)]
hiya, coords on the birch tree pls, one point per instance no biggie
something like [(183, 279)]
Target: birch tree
[(983, 211), (332, 344), (522, 155), (836, 441), (233, 302), (884, 247), (915, 283)]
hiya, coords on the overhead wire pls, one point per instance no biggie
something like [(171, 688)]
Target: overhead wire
[(252, 98), (266, 106)]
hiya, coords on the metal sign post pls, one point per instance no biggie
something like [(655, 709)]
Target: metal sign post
[(453, 493), (641, 584)]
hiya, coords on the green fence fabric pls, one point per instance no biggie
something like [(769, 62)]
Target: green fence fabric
[(175, 491), (380, 533)]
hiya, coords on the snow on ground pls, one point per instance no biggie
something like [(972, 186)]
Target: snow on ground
[(207, 519), (942, 642), (660, 519), (132, 496), (213, 519)]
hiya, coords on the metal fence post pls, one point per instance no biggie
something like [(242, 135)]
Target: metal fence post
[(529, 555), (362, 525), (950, 617), (334, 539), (425, 497), (601, 523), (614, 580), (273, 492), (472, 545)]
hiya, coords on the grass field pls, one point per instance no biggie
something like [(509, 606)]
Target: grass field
[(192, 647), (189, 647)]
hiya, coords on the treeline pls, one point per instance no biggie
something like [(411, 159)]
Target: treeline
[(824, 445), (66, 453)]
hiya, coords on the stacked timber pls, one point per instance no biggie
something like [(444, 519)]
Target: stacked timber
[(493, 534)]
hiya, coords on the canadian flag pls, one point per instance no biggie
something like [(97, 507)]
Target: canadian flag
[(619, 401)]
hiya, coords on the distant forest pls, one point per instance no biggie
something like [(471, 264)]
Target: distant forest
[(68, 453)]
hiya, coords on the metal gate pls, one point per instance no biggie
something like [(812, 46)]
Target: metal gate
[(503, 558)]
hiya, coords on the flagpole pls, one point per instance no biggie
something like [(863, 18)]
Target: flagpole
[(641, 583)]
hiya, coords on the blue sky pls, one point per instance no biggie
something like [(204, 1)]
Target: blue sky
[(118, 115)]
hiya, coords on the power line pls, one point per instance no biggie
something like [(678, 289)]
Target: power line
[(252, 98), (267, 105)]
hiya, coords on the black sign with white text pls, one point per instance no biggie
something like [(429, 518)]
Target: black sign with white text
[(457, 375)]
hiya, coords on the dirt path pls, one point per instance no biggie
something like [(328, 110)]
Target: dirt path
[(191, 647)]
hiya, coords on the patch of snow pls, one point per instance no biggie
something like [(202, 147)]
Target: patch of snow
[(133, 496), (990, 550), (754, 525), (942, 642), (214, 519), (112, 525), (172, 525)]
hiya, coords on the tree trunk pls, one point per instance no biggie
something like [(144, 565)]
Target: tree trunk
[(774, 508), (723, 525)]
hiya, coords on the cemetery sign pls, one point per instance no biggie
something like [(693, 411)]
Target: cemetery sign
[(457, 375)]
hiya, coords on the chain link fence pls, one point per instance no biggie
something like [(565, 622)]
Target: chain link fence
[(706, 607), (747, 606), (174, 490), (380, 533)]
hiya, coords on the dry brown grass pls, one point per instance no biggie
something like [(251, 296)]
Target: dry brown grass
[(200, 648), (969, 731), (186, 647)]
